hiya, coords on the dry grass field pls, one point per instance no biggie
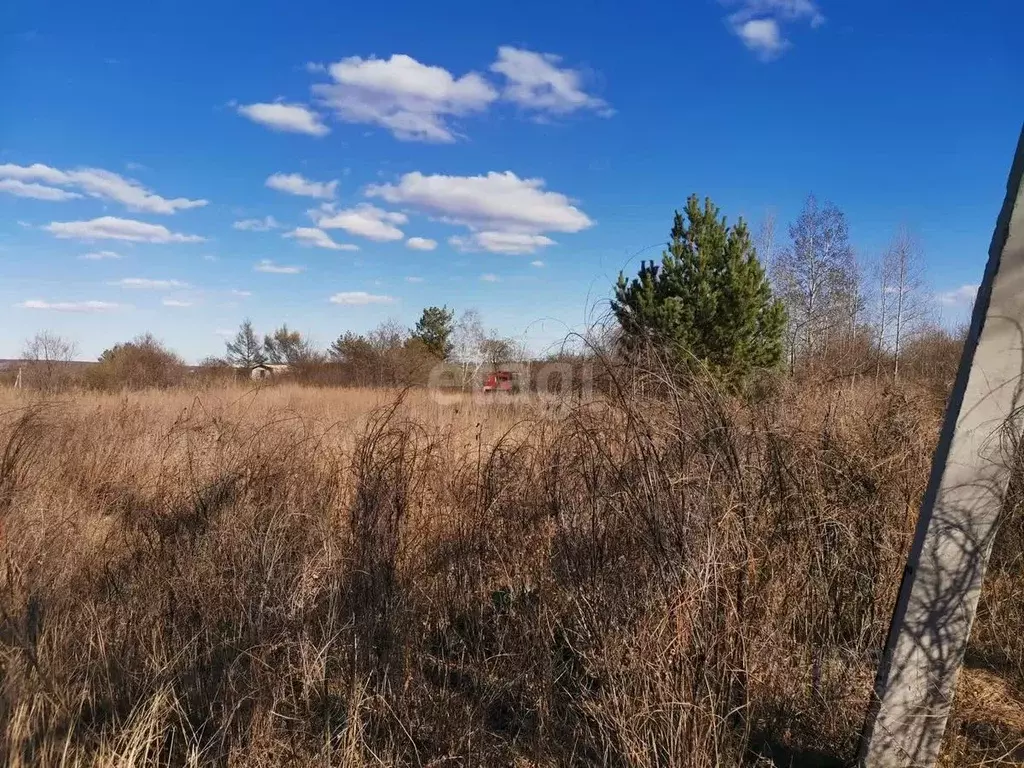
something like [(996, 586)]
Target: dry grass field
[(299, 576)]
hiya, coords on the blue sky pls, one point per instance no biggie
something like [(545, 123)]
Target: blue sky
[(177, 166)]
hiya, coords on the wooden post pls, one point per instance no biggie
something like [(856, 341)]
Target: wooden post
[(970, 472)]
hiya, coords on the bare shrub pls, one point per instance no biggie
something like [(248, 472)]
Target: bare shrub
[(142, 363), (49, 359), (932, 358)]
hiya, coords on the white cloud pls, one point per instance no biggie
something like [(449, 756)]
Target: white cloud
[(313, 237), (360, 298), (960, 297), (537, 263), (763, 37), (243, 294), (536, 82), (421, 243), (497, 202), (489, 278), (176, 303), (789, 10), (113, 228), (410, 99), (20, 188), (34, 172), (501, 242), (290, 118), (100, 255), (758, 23), (98, 183), (364, 220), (257, 225), (144, 282), (266, 265), (297, 184), (70, 306), (414, 279), (131, 194)]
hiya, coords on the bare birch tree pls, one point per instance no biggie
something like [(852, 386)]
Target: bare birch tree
[(882, 301), (908, 309), (782, 278), (818, 279), (467, 344)]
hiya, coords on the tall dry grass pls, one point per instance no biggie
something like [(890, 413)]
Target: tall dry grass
[(290, 576)]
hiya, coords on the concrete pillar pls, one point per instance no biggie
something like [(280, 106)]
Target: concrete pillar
[(970, 472)]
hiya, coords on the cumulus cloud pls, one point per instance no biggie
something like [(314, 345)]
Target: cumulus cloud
[(95, 182), (257, 225), (113, 228), (297, 184), (364, 220), (360, 298), (959, 297), (144, 282), (20, 188), (289, 118), (535, 81), (413, 101), (758, 23), (497, 202), (176, 303), (100, 255), (537, 263), (512, 243), (421, 243), (266, 265), (70, 306), (317, 238)]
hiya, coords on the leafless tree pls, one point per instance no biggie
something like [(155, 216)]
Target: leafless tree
[(765, 242), (467, 344), (818, 279), (904, 295), (387, 341), (882, 318), (387, 337), (49, 359), (781, 272), (498, 351)]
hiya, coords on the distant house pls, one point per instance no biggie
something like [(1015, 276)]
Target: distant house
[(267, 371)]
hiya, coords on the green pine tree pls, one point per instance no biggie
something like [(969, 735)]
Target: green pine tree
[(710, 301), (435, 328)]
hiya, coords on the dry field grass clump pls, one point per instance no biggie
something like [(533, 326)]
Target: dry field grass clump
[(297, 576)]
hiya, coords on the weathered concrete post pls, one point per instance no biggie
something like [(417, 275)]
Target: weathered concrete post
[(970, 472)]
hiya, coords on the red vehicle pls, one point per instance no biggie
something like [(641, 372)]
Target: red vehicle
[(502, 381)]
